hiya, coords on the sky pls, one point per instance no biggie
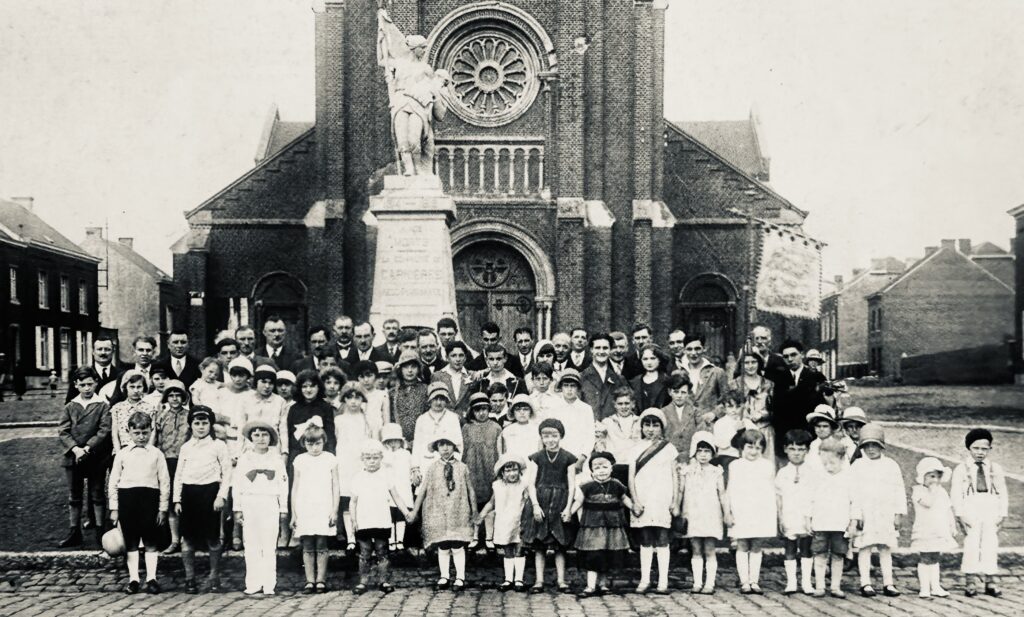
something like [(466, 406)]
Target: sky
[(894, 124)]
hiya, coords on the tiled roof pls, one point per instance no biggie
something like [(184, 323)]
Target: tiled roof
[(987, 248), (141, 262), (20, 225), (283, 133), (735, 140)]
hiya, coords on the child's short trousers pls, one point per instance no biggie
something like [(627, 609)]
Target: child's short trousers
[(137, 510), (833, 542), (199, 522)]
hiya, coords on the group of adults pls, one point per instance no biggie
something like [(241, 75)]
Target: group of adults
[(784, 381)]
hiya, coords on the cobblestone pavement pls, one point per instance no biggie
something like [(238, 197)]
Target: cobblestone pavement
[(64, 592)]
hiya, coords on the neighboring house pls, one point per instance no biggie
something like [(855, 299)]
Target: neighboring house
[(135, 297), (48, 307), (844, 318), (948, 317), (1017, 248)]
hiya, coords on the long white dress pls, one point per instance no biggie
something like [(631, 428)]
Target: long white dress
[(313, 503), (352, 430), (751, 491), (654, 486), (878, 496)]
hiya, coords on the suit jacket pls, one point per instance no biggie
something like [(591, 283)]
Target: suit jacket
[(708, 394), (582, 365), (428, 370), (598, 393), (384, 355), (351, 357), (514, 384), (306, 363), (478, 363), (119, 394), (86, 426), (631, 366), (285, 358), (515, 365), (113, 375), (189, 374), (461, 404), (679, 430), (792, 401), (376, 355)]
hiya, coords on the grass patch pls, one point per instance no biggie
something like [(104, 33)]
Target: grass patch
[(1000, 405)]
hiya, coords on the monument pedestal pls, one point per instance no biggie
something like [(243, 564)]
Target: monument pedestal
[(413, 278)]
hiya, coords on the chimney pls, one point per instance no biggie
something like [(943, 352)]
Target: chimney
[(878, 264), (948, 243), (126, 241), (24, 202), (964, 244), (839, 282), (94, 232), (857, 271), (930, 250)]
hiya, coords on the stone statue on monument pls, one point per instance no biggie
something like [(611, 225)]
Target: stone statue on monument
[(414, 93)]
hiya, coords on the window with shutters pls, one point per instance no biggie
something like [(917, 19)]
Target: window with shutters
[(65, 294), (44, 291)]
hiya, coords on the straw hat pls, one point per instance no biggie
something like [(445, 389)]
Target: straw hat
[(252, 425), (507, 458)]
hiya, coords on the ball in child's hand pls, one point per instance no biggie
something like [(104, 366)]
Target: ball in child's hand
[(113, 542)]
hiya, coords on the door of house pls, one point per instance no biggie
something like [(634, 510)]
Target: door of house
[(493, 282)]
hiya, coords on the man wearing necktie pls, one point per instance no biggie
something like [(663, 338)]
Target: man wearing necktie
[(178, 362)]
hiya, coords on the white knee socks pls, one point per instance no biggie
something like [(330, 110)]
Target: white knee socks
[(837, 573), (885, 562), (864, 565), (820, 565), (459, 557), (133, 565), (754, 571), (806, 569), (697, 566), (520, 569), (664, 555), (151, 559), (790, 565), (743, 566), (924, 578), (712, 572), (646, 559), (444, 561), (510, 569), (936, 585)]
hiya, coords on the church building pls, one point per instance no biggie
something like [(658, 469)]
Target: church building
[(577, 202)]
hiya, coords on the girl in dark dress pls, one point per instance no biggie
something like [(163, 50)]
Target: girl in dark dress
[(651, 387), (545, 521), (602, 541)]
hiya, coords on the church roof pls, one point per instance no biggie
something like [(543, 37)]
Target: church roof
[(20, 225), (735, 140)]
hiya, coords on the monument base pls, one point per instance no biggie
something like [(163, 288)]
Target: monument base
[(413, 278)]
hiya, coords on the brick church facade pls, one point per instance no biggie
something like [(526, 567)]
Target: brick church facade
[(577, 203)]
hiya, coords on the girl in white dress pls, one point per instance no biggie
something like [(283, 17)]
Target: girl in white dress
[(934, 524), (351, 426), (654, 485), (315, 497), (705, 509), (398, 463), (879, 505), (520, 438), (751, 494), (508, 495)]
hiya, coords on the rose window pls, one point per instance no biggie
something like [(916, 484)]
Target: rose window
[(494, 73)]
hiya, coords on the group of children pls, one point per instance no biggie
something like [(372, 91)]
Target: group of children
[(530, 474)]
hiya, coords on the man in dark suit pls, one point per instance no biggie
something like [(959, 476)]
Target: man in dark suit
[(521, 362), (490, 334), (796, 392), (579, 354), (275, 332), (496, 356), (562, 344), (143, 348), (246, 338), (178, 363), (430, 359), (599, 380), (103, 362), (631, 363), (388, 351), (343, 347), (363, 348), (319, 349), (760, 343)]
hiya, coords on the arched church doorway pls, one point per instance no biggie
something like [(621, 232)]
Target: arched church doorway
[(707, 306), (493, 282), (283, 295)]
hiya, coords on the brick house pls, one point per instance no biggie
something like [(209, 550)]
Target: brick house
[(949, 306), (135, 297), (48, 307), (598, 211), (844, 318)]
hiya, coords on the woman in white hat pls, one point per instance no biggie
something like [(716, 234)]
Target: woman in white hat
[(438, 419), (934, 523)]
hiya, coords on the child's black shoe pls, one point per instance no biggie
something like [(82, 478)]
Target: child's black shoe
[(152, 586), (74, 539), (132, 587), (191, 587)]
